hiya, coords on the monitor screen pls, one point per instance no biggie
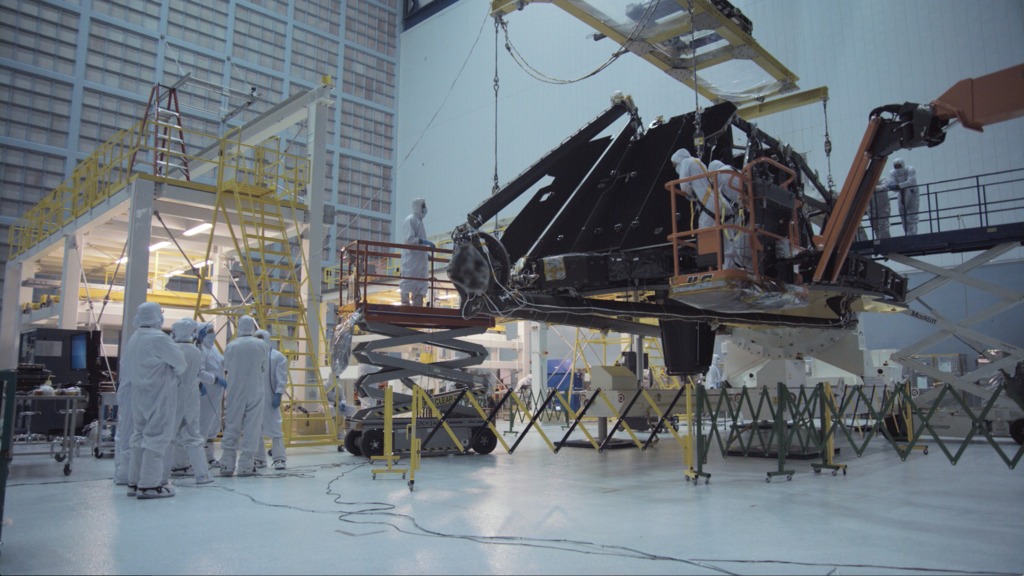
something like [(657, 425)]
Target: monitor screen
[(79, 351)]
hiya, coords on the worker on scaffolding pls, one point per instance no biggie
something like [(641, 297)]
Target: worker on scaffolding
[(274, 389), (246, 362), (415, 263)]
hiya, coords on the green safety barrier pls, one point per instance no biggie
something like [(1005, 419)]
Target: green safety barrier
[(804, 421)]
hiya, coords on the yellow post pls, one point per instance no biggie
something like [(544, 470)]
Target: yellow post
[(388, 456), (908, 416)]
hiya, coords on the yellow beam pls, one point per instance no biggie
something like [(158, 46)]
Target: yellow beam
[(812, 96)]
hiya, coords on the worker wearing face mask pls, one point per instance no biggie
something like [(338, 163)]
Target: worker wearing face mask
[(274, 389), (734, 242), (154, 365), (246, 361), (211, 402), (186, 419), (903, 180), (415, 263)]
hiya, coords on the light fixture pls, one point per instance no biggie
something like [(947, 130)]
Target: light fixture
[(198, 229), (159, 245), (174, 273), (121, 260)]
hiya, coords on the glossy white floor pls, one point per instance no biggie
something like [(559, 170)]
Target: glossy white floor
[(533, 512)]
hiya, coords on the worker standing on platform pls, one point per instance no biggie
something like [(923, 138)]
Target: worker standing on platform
[(903, 180), (274, 388), (186, 419), (878, 211), (734, 242), (211, 403), (246, 361), (415, 263), (154, 366)]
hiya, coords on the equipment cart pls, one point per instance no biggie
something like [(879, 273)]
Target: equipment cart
[(63, 447), (107, 425)]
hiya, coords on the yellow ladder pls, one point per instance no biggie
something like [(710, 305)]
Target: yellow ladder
[(251, 207)]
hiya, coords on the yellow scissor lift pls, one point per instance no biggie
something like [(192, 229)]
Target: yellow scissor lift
[(408, 422)]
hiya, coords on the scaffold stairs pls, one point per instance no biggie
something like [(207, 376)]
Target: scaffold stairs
[(273, 265)]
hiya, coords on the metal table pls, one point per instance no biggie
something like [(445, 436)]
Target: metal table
[(63, 447)]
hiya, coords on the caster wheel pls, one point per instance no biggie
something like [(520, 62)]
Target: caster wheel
[(96, 452), (341, 448), (834, 472), (818, 471), (374, 476), (67, 469), (925, 451), (844, 471), (59, 457), (768, 480), (403, 476), (789, 477), (707, 481), (411, 485)]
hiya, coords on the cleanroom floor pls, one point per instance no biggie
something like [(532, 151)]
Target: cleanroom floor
[(533, 512)]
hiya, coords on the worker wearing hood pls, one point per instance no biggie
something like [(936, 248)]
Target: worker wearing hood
[(186, 416), (415, 263), (247, 363), (211, 404), (274, 391), (154, 365)]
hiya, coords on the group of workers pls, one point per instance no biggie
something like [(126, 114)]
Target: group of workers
[(716, 198), (170, 393)]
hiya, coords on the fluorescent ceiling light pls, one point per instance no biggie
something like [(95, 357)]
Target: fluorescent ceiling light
[(174, 273), (121, 260), (201, 228), (159, 245)]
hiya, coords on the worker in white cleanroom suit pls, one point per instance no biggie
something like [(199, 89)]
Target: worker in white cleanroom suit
[(878, 210), (698, 189), (246, 361), (274, 389), (154, 365), (903, 179), (125, 425), (713, 377), (186, 417), (415, 264), (735, 245), (211, 403)]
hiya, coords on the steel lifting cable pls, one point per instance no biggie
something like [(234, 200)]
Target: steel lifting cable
[(538, 75), (698, 133), (495, 187), (828, 152)]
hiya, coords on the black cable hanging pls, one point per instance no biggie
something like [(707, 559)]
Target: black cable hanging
[(698, 133)]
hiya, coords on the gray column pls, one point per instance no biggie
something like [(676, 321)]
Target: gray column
[(317, 147), (538, 355), (70, 280), (140, 227), (10, 316)]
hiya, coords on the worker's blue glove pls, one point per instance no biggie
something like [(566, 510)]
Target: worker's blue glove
[(221, 382), (276, 402), (428, 243), (202, 389)]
